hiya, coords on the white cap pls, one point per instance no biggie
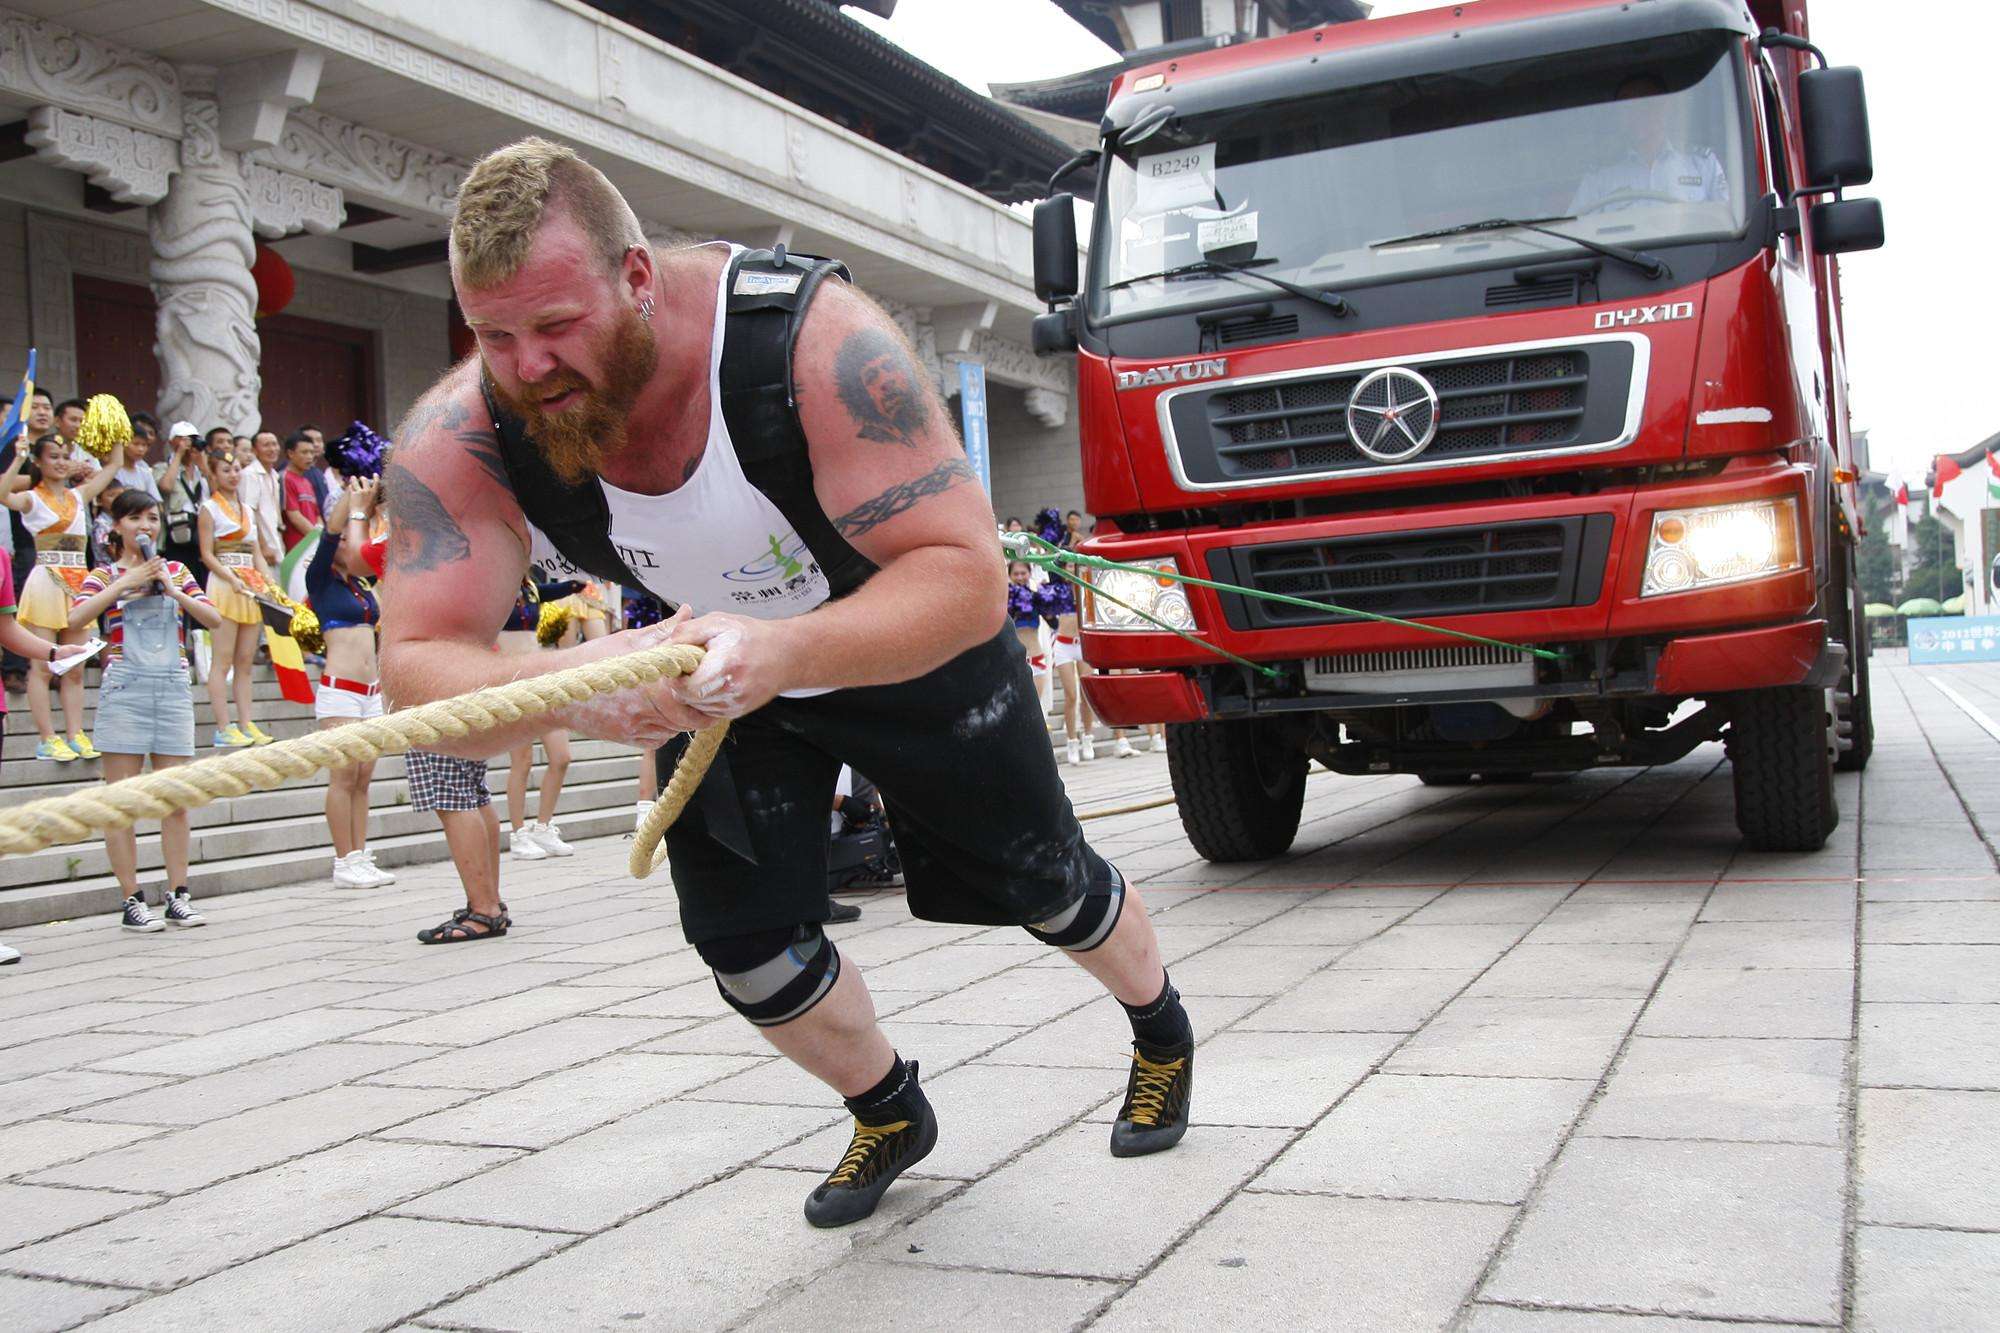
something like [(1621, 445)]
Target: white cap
[(181, 428)]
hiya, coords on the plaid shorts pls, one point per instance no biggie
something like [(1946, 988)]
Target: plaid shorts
[(441, 782)]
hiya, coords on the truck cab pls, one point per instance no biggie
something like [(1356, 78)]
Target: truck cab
[(1504, 341)]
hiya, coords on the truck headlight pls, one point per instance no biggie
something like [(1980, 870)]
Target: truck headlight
[(1163, 599), (1716, 544)]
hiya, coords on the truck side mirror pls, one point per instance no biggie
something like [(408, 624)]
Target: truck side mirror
[(1833, 118), (1055, 248), (1841, 226), (1054, 332)]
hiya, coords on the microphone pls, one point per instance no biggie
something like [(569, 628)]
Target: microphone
[(146, 552)]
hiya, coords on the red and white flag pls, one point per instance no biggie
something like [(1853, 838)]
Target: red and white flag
[(1947, 470)]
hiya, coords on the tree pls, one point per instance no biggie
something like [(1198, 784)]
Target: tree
[(1936, 573)]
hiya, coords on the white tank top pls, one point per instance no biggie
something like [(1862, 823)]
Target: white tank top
[(715, 543), (41, 518)]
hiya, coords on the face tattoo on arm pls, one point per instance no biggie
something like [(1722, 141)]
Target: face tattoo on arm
[(880, 389)]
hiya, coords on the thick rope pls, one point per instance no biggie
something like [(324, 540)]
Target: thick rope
[(80, 815)]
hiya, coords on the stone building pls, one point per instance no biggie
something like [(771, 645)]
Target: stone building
[(148, 148)]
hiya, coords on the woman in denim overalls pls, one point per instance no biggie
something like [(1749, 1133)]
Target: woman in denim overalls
[(144, 706)]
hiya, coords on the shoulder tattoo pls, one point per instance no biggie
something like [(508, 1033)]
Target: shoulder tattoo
[(422, 533), (871, 514), (881, 388)]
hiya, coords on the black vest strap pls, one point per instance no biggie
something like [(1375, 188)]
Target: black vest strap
[(768, 291)]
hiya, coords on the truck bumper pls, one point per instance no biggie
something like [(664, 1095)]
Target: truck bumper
[(1751, 659), (1139, 697)]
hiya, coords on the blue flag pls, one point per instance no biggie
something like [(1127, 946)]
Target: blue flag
[(11, 424)]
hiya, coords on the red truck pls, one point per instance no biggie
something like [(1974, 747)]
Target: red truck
[(1519, 318)]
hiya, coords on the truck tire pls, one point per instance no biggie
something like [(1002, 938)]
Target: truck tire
[(1780, 751), (1240, 786), (1852, 704)]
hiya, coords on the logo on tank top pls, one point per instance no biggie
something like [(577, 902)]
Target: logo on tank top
[(783, 571)]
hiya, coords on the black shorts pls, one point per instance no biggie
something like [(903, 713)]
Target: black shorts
[(967, 773)]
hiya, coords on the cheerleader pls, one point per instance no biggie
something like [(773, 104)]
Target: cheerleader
[(1057, 599), (339, 591), (1028, 625), (236, 575), (58, 515), (534, 839)]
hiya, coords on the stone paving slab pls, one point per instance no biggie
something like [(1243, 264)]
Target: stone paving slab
[(1543, 1056)]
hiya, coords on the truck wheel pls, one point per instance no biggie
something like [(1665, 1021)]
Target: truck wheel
[(1852, 707), (1780, 750), (1445, 779), (1240, 786)]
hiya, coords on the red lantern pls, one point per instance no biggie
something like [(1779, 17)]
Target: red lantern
[(275, 281)]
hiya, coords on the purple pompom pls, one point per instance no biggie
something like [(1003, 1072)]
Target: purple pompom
[(358, 452), (1020, 602)]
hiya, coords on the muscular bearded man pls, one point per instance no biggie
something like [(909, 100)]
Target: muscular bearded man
[(750, 439)]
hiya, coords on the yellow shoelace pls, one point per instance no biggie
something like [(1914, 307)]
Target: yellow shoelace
[(1149, 1095), (866, 1139)]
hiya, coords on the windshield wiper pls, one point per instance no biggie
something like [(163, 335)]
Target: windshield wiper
[(1331, 300), (1650, 265)]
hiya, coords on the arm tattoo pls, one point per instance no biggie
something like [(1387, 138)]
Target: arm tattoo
[(882, 390), (422, 533), (870, 514), (480, 443)]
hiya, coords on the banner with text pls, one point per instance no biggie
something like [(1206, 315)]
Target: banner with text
[(1954, 638), (972, 409)]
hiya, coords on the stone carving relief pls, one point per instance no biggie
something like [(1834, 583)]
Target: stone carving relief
[(282, 203), (132, 165), (1048, 407), (48, 63), (367, 163), (1012, 363), (202, 249)]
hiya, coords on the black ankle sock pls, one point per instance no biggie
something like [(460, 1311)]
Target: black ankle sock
[(1163, 1022), (894, 1094)]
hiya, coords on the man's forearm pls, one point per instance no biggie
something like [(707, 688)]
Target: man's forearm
[(917, 613)]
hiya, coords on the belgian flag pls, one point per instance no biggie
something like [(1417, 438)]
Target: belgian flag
[(288, 663)]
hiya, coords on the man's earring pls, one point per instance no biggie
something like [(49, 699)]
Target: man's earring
[(646, 308)]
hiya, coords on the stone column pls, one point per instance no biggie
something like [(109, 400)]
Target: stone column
[(202, 249)]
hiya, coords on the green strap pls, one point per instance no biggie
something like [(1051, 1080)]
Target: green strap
[(1052, 557)]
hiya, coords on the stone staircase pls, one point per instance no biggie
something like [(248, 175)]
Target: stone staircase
[(267, 838)]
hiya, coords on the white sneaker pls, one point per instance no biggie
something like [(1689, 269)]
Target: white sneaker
[(137, 918), (1071, 754), (1123, 749), (368, 858), (350, 872), (1160, 743), (639, 812), (549, 839), (1089, 748), (522, 844), (8, 955)]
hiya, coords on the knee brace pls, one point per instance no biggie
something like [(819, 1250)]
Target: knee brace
[(773, 976), (1089, 921)]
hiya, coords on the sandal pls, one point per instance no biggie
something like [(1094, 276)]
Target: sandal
[(455, 931)]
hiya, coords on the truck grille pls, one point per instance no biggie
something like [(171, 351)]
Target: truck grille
[(1489, 405), (1442, 572)]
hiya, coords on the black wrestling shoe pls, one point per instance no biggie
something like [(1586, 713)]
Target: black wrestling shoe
[(1155, 1113), (876, 1155)]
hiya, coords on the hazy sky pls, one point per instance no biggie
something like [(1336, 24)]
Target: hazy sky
[(1923, 357)]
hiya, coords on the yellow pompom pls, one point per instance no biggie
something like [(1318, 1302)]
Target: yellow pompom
[(105, 426), (306, 631), (554, 623)]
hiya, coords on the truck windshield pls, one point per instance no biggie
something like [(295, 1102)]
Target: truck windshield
[(1641, 145)]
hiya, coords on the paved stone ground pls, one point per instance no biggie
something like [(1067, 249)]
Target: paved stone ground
[(1552, 1056)]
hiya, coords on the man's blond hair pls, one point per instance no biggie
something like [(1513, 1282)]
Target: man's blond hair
[(511, 191)]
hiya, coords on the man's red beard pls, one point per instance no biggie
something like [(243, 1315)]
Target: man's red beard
[(576, 440)]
